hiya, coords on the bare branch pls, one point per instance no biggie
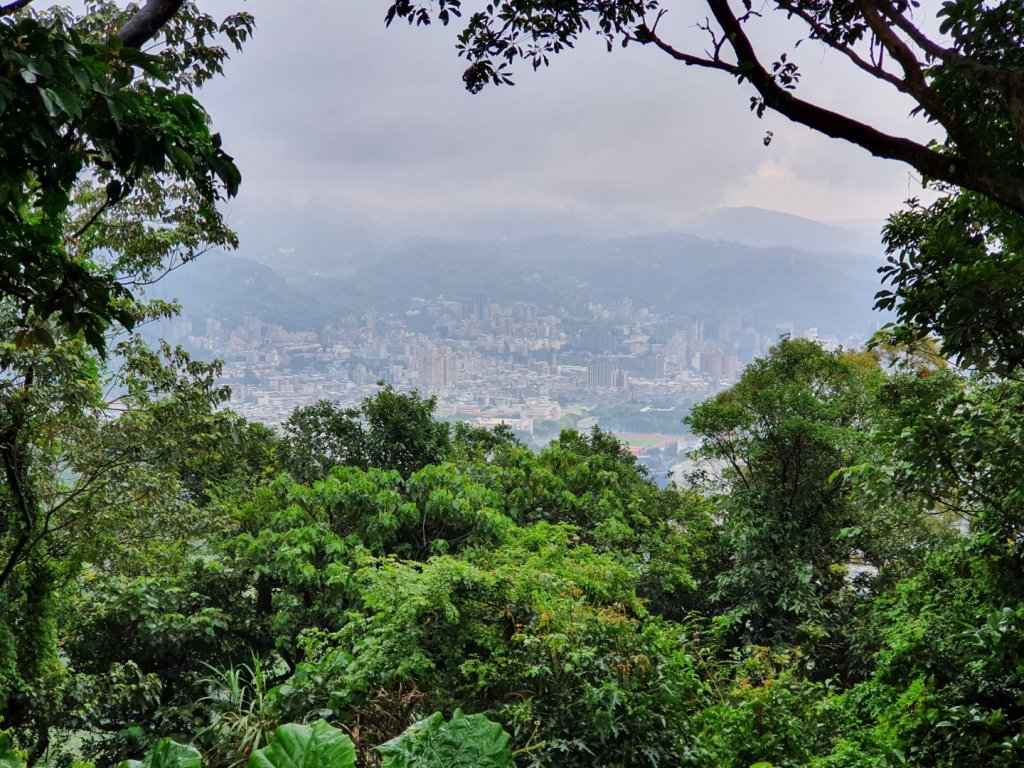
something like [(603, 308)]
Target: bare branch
[(648, 34), (690, 59), (874, 68)]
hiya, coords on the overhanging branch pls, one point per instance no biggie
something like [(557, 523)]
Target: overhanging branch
[(17, 5), (1005, 188), (148, 21)]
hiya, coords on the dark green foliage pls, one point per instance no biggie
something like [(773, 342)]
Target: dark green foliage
[(776, 443), (388, 431), (320, 437), (64, 89), (111, 175), (956, 270), (167, 754)]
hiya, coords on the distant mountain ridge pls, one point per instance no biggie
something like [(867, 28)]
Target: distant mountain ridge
[(669, 273), (763, 228)]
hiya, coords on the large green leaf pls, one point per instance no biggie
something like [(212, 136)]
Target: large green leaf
[(167, 754), (306, 746), (470, 741), (8, 757)]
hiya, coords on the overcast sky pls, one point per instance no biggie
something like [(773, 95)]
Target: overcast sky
[(333, 117)]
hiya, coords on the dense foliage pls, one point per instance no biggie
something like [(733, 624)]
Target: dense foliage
[(819, 595), (837, 583)]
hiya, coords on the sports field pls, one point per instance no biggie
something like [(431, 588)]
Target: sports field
[(646, 440)]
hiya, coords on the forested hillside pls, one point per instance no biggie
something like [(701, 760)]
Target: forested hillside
[(832, 291), (808, 598), (838, 583)]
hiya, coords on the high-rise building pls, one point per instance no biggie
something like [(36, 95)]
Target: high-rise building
[(480, 310), (652, 366), (438, 369), (253, 328), (180, 330), (597, 339), (730, 328), (678, 347), (600, 373), (712, 362), (214, 328), (696, 333)]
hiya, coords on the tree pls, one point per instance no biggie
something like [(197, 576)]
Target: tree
[(390, 430), (775, 444), (957, 272), (110, 177), (967, 78), (79, 102)]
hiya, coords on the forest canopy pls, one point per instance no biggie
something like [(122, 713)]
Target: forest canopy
[(837, 583)]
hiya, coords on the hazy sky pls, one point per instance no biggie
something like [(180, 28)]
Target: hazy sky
[(333, 117)]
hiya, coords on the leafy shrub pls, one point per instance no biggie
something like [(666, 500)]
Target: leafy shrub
[(311, 746), (465, 741), (167, 754)]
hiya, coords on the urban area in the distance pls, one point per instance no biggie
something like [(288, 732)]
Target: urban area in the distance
[(536, 366)]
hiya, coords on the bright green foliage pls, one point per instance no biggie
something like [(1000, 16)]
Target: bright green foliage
[(367, 593), (306, 746), (464, 741), (61, 91), (9, 758), (566, 598), (548, 633), (767, 713), (167, 754), (589, 481)]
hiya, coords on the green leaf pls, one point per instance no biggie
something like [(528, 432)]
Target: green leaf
[(167, 754), (8, 757), (306, 746), (34, 337), (470, 741)]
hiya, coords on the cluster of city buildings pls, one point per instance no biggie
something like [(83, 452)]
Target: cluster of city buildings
[(487, 362)]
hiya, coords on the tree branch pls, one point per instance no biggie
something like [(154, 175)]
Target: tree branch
[(916, 84), (996, 75), (1005, 188), (646, 36), (148, 21), (822, 34), (17, 5), (9, 451)]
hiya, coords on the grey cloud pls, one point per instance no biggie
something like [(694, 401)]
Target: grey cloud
[(327, 110)]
